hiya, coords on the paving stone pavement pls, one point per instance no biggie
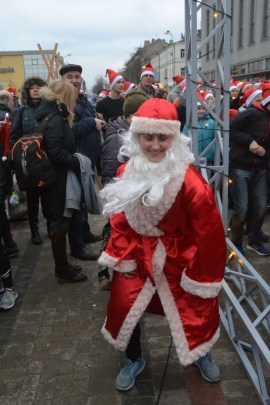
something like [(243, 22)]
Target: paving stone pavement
[(52, 351)]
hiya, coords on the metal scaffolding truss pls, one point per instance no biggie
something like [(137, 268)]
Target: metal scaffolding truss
[(245, 297)]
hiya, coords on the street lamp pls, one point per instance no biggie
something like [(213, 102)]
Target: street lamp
[(65, 56), (168, 32)]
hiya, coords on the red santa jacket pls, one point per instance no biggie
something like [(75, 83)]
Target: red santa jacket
[(178, 251)]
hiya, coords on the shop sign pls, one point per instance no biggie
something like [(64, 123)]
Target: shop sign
[(7, 70)]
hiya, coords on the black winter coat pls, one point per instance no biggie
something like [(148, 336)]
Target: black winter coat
[(60, 146), (84, 130), (253, 124), (23, 122), (110, 148)]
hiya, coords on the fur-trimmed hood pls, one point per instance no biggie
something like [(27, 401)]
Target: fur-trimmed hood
[(25, 95)]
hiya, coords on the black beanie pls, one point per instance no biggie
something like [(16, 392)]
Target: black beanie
[(133, 100)]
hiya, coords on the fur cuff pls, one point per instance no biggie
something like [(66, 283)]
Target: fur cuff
[(203, 290), (124, 267)]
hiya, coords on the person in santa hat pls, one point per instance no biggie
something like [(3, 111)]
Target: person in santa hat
[(250, 97), (234, 96), (167, 245), (128, 87), (111, 106), (249, 148), (147, 81), (174, 95)]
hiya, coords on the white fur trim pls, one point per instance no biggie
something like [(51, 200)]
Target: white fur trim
[(266, 100), (203, 290), (119, 77), (252, 96), (147, 72), (124, 267), (185, 355), (144, 125), (141, 303), (133, 317), (144, 220)]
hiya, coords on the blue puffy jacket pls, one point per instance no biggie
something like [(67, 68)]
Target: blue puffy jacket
[(85, 132)]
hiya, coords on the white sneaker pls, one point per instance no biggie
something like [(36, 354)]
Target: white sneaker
[(8, 298)]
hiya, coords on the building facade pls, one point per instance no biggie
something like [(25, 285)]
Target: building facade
[(16, 66), (250, 39), (171, 61)]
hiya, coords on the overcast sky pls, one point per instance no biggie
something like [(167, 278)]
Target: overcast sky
[(98, 34)]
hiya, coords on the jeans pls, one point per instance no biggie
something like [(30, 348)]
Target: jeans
[(248, 185)]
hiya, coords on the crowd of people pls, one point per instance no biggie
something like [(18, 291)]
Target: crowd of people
[(163, 247)]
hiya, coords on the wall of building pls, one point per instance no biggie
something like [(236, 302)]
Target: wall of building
[(250, 40), (11, 71)]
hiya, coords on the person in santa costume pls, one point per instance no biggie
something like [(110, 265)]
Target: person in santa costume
[(167, 245)]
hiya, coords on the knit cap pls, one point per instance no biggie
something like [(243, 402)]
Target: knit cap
[(133, 100)]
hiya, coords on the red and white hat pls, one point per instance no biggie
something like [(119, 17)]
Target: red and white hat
[(234, 86), (128, 86), (113, 77), (147, 70), (265, 87), (245, 85), (156, 116), (249, 96), (104, 93), (179, 80)]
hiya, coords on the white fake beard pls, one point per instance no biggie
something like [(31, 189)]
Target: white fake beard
[(144, 180)]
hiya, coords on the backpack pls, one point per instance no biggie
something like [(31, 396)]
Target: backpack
[(34, 170)]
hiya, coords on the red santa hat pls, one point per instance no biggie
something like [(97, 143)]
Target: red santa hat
[(204, 94), (265, 87), (147, 70), (244, 86), (249, 96), (103, 93), (156, 116), (234, 86), (128, 86), (179, 80), (113, 77)]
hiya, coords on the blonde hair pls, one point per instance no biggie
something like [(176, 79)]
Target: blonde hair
[(62, 92)]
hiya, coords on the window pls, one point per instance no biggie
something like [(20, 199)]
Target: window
[(265, 33), (182, 53), (241, 20), (268, 63), (255, 66), (183, 72), (34, 62), (252, 22)]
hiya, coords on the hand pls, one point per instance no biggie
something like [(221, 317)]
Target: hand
[(261, 151), (255, 148), (130, 274), (2, 123), (99, 123)]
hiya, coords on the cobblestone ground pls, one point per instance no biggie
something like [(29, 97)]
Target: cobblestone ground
[(52, 351)]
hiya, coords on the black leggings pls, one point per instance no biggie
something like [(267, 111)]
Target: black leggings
[(133, 351), (5, 270)]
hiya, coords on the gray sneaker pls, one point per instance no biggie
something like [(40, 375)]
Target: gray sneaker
[(209, 370), (8, 298)]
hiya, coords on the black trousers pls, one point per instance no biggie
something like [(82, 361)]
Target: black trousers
[(133, 351)]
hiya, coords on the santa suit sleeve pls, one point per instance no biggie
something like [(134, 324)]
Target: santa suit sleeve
[(204, 273), (123, 241)]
